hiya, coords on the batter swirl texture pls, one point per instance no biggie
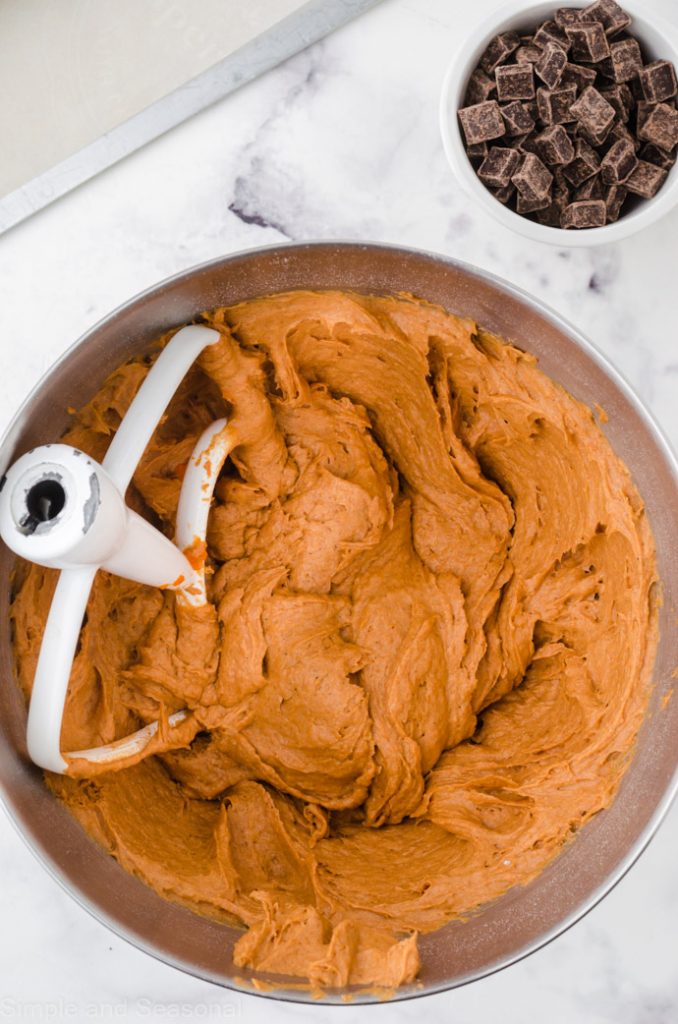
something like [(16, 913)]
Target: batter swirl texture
[(427, 650)]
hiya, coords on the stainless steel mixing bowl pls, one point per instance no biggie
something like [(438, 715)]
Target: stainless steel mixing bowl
[(523, 919)]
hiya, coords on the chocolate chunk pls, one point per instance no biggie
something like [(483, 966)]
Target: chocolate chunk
[(551, 65), (527, 143), (498, 51), (654, 155), (532, 109), (658, 81), (661, 127), (604, 70), (565, 16), (504, 195), (561, 188), (643, 110), (554, 145), (477, 153), (524, 205), (621, 98), (618, 162), (591, 189), (596, 140), (517, 118), (579, 76), (532, 179), (620, 131), (609, 13), (550, 32), (646, 180), (515, 82), (550, 217), (529, 53), (588, 41), (586, 163), (627, 60), (594, 114), (585, 213), (482, 122), (480, 88), (636, 88), (614, 200), (498, 166), (555, 105)]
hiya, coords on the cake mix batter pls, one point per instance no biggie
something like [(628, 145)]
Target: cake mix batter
[(427, 649)]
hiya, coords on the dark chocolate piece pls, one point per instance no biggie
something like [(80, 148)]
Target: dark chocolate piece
[(480, 88), (500, 48), (594, 114), (517, 118), (515, 82), (550, 32), (627, 60), (554, 145), (591, 189), (482, 122), (621, 98), (604, 69), (532, 109), (499, 166), (636, 88), (620, 131), (578, 75), (588, 41), (561, 197), (597, 140), (477, 153), (618, 162), (586, 163), (585, 213), (614, 200), (551, 65), (658, 81), (609, 13), (561, 188), (661, 127), (550, 217), (527, 143), (646, 180), (528, 53), (643, 110), (532, 179), (654, 155), (565, 16), (504, 195), (555, 105), (524, 205)]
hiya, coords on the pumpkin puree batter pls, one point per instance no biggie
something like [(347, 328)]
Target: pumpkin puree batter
[(427, 649)]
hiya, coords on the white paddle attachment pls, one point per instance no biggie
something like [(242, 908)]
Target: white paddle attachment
[(63, 510)]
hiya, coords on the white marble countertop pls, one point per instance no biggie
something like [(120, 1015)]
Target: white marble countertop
[(339, 142)]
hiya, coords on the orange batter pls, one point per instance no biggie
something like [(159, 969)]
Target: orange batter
[(427, 649)]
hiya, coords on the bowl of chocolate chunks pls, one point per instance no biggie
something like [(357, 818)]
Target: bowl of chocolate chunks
[(563, 120)]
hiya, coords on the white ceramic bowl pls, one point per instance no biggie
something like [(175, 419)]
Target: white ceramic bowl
[(658, 38)]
